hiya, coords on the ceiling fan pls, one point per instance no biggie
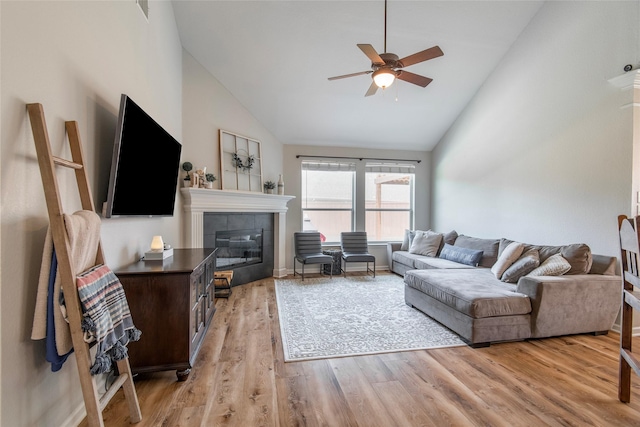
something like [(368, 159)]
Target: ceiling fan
[(386, 67)]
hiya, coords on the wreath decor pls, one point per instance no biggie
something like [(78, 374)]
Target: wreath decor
[(240, 164)]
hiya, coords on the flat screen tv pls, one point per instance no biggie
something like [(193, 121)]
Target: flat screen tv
[(144, 167)]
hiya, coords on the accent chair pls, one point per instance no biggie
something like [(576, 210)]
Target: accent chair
[(308, 250), (355, 248)]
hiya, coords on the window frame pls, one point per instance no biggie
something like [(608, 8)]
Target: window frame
[(352, 209), (410, 209), (359, 208)]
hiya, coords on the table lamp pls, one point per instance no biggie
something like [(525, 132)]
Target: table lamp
[(157, 251)]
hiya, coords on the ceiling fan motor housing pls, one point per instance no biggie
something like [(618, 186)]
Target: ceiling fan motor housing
[(391, 60)]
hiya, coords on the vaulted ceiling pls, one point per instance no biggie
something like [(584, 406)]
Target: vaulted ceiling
[(275, 58)]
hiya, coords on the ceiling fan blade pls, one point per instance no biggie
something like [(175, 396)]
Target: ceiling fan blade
[(425, 55), (413, 78), (371, 53), (372, 89), (351, 75)]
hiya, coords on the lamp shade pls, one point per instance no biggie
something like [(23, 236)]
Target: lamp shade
[(384, 77), (157, 245)]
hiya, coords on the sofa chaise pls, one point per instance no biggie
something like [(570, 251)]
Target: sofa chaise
[(472, 301)]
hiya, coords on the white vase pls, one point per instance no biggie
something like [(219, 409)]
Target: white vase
[(280, 186)]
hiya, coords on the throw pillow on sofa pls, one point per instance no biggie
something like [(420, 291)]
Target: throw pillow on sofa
[(555, 265), (510, 255), (426, 243), (489, 248), (448, 238), (523, 266), (462, 255), (577, 254), (405, 241), (408, 239)]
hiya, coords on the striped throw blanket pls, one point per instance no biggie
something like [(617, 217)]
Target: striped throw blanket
[(107, 319)]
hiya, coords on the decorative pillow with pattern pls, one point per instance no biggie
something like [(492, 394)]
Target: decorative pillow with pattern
[(523, 266), (426, 243), (462, 255), (510, 255), (555, 265), (577, 254)]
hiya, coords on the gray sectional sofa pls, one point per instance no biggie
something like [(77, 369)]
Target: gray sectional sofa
[(473, 302)]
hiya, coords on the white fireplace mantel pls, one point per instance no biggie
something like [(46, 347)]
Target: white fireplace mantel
[(197, 201)]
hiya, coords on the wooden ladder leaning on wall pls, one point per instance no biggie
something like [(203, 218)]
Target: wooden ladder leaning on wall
[(630, 256), (94, 403)]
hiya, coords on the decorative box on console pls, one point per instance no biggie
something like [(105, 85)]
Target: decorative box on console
[(158, 255)]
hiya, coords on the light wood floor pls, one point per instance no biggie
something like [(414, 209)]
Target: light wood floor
[(240, 379)]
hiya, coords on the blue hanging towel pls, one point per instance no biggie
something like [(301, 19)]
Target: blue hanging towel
[(52, 355)]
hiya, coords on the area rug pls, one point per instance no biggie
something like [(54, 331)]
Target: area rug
[(322, 318)]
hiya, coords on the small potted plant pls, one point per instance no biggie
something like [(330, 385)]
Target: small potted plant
[(269, 186), (210, 178), (187, 167)]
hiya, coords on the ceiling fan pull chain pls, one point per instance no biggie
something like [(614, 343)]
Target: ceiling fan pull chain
[(397, 92)]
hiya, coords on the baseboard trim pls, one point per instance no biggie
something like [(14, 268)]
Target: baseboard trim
[(314, 269), (635, 331), (279, 272), (80, 413), (76, 417)]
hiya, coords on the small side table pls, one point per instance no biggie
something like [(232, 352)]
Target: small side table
[(336, 265), (222, 281)]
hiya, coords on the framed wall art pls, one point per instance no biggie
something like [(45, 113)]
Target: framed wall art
[(240, 162)]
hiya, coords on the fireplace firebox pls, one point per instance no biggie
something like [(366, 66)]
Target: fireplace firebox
[(245, 243), (238, 247)]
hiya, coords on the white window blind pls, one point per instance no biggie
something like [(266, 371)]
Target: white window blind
[(328, 166), (390, 167)]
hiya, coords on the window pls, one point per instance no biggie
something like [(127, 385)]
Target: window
[(383, 206), (389, 200), (328, 198)]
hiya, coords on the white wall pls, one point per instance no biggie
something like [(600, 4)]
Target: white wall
[(293, 181), (0, 226), (209, 107), (543, 152), (75, 58)]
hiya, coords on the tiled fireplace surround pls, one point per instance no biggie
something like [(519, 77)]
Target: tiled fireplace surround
[(242, 210), (217, 223)]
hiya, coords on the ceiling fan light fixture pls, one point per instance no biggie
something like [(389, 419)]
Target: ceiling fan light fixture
[(384, 77), (387, 66)]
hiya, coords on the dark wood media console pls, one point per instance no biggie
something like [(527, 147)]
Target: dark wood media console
[(172, 303)]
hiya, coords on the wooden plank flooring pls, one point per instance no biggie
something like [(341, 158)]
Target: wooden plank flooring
[(240, 379)]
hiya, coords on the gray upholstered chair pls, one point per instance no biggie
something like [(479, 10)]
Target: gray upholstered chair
[(308, 250), (356, 249)]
